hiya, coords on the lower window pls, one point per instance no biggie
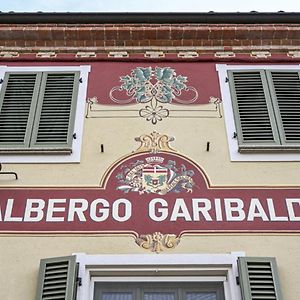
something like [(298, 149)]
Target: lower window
[(158, 291), (159, 277)]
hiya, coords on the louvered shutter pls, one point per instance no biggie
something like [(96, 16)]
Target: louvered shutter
[(253, 111), (285, 91), (57, 279), (259, 278), (55, 114), (18, 100)]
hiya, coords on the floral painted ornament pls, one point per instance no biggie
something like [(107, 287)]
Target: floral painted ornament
[(155, 86)]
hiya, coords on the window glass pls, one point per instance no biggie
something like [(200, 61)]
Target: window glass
[(117, 296), (201, 296), (158, 291), (159, 296)]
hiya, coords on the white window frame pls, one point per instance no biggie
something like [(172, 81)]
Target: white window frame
[(158, 268), (229, 115), (79, 117)]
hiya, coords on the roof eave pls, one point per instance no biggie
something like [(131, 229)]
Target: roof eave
[(150, 18)]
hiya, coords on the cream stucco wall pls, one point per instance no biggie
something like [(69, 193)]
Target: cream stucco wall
[(20, 255), (191, 136)]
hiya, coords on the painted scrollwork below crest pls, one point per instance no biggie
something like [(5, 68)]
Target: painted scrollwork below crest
[(157, 241)]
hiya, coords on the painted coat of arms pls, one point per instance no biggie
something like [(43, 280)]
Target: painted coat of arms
[(154, 175)]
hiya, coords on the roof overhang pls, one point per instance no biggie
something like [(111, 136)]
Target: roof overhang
[(150, 18)]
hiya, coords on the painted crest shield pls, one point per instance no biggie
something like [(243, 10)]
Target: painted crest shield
[(154, 178)]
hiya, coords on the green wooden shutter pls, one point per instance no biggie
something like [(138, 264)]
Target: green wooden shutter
[(259, 278), (18, 100), (285, 91), (55, 113), (57, 279), (253, 110)]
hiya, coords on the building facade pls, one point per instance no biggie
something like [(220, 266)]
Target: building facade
[(149, 156)]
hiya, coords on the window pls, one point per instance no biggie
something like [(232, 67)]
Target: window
[(158, 291), (41, 113), (266, 105), (262, 111), (37, 111), (151, 277), (165, 277)]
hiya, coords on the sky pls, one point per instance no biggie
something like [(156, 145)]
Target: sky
[(149, 5)]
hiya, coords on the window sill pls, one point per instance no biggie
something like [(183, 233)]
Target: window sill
[(248, 149), (45, 151)]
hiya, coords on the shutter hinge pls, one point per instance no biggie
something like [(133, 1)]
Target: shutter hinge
[(1, 80), (234, 135), (80, 80), (74, 136), (237, 280), (226, 79), (79, 281)]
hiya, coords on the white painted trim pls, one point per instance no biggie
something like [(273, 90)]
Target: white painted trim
[(161, 279), (179, 267), (79, 118), (229, 117)]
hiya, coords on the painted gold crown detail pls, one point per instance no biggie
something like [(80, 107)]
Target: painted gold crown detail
[(154, 142)]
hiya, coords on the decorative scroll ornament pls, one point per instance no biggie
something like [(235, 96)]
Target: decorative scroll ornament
[(153, 86), (154, 142), (157, 241)]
